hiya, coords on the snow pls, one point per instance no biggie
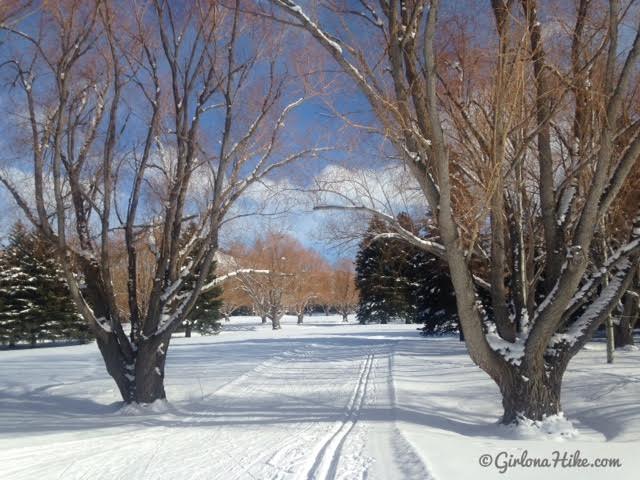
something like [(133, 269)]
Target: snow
[(556, 427), (565, 204), (319, 400), (103, 323), (300, 13), (595, 309), (512, 352)]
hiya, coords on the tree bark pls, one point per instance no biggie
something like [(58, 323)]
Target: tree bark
[(624, 329), (529, 396), (611, 343), (140, 380), (119, 368), (275, 322), (149, 369)]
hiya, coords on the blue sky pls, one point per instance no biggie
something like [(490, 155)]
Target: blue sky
[(314, 123)]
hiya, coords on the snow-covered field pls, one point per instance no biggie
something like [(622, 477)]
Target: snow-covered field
[(322, 400)]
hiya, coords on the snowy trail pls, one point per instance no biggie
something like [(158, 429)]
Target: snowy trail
[(326, 460), (321, 401), (299, 410)]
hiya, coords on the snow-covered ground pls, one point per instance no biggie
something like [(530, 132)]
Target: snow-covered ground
[(322, 400)]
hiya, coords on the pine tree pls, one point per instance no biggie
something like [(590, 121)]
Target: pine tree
[(205, 315), (401, 281), (380, 277), (34, 297), (433, 295)]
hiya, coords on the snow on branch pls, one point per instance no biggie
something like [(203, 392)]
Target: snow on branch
[(596, 310), (297, 11), (169, 318), (326, 40), (587, 289), (218, 280), (512, 352), (427, 245), (104, 324)]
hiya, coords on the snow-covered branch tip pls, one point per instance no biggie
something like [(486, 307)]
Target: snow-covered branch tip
[(427, 245), (297, 12), (219, 280)]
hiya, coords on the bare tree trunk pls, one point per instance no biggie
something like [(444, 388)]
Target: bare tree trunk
[(149, 369), (264, 319), (300, 318), (275, 322), (630, 312), (187, 329), (611, 345), (345, 317), (534, 397)]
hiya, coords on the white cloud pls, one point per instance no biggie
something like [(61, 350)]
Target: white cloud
[(288, 207)]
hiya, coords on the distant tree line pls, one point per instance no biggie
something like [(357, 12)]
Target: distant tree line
[(299, 281)]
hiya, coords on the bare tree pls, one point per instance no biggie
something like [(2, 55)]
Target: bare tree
[(344, 291), (232, 299), (268, 292), (548, 296), (306, 268), (141, 119)]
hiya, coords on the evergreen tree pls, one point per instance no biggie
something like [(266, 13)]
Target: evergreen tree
[(433, 295), (205, 315), (381, 277), (34, 296), (399, 280)]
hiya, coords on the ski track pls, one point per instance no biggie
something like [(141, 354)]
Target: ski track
[(296, 415), (326, 461)]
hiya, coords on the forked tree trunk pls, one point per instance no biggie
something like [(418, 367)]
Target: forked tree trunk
[(149, 369), (140, 380), (300, 318)]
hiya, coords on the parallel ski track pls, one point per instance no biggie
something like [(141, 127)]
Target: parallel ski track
[(326, 461)]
